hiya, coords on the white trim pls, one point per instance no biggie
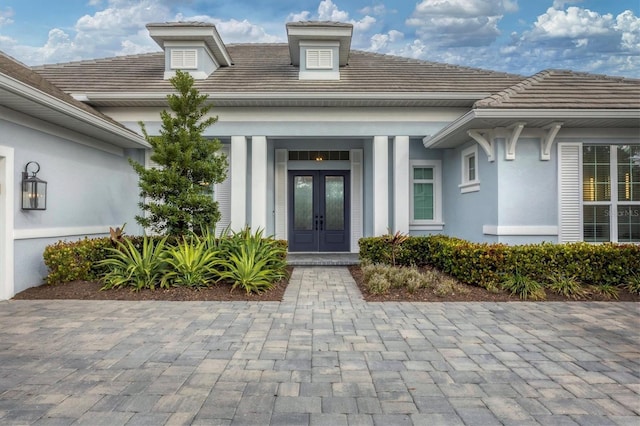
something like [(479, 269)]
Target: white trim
[(259, 182), (70, 231), (380, 185), (356, 205), (408, 96), (467, 185), (238, 166), (437, 194), (280, 182), (432, 227), (401, 184), (7, 197), (519, 230)]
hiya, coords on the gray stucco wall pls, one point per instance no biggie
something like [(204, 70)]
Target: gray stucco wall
[(87, 187), (465, 214)]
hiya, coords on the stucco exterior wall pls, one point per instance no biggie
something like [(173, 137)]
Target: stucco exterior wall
[(88, 190)]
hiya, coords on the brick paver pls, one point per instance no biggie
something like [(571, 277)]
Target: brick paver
[(322, 356)]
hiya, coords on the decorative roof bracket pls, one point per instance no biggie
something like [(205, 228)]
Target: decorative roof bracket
[(512, 140), (547, 141), (485, 142)]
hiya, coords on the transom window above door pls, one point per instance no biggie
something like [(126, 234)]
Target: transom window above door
[(318, 155)]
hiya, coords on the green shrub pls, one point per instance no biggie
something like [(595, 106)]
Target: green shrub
[(608, 290), (567, 286), (633, 283), (128, 266), (378, 284), (523, 286), (485, 264), (252, 262), (192, 263), (75, 260)]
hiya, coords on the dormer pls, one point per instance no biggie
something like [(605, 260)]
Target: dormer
[(195, 47), (319, 49)]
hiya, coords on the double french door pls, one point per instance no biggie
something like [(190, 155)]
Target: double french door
[(319, 210)]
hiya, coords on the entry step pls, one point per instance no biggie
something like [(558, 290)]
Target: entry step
[(322, 259)]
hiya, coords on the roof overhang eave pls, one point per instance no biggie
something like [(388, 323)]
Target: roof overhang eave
[(484, 116), (293, 96), (117, 135)]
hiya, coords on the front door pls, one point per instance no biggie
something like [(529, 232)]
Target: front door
[(319, 210)]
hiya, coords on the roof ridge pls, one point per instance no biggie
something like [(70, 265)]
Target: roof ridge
[(506, 94)]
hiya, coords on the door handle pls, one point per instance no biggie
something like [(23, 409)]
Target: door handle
[(321, 222), (316, 223)]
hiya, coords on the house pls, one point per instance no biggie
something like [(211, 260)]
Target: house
[(81, 154), (328, 144)]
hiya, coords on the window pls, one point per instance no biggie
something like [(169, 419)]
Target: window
[(319, 59), (426, 199), (469, 179), (611, 193), (184, 59)]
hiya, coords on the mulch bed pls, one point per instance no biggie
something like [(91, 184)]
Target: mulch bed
[(89, 290)]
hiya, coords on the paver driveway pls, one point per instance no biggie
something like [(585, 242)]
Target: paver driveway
[(322, 356)]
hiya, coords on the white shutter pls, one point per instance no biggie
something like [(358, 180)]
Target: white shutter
[(184, 59), (319, 59), (570, 192), (356, 198), (222, 194), (281, 194)]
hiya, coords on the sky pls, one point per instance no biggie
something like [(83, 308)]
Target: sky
[(516, 36)]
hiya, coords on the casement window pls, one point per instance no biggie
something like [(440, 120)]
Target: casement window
[(469, 180), (319, 59), (611, 193), (184, 59), (426, 193)]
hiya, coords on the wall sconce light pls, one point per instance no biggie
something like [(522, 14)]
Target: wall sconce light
[(34, 190)]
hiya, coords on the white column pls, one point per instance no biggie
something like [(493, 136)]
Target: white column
[(238, 182), (380, 185), (401, 184), (259, 183)]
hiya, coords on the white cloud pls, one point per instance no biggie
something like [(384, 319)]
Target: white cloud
[(234, 31), (382, 42), (6, 16), (329, 11), (455, 23), (628, 25), (575, 22), (559, 4)]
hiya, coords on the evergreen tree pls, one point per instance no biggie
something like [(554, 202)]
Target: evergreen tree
[(178, 196)]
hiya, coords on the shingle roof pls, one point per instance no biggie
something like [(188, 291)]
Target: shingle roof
[(18, 71), (567, 89), (26, 91), (266, 68)]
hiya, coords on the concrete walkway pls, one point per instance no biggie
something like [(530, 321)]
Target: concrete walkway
[(321, 357)]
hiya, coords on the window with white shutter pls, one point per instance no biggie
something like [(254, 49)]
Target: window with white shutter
[(319, 59), (184, 59)]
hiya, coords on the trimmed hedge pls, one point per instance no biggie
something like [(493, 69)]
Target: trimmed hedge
[(78, 260), (485, 264)]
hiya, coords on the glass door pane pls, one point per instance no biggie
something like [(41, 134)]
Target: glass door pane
[(334, 203), (303, 203)]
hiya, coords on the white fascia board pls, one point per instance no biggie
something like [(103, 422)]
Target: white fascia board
[(432, 141), (42, 98), (531, 113), (557, 113), (105, 96)]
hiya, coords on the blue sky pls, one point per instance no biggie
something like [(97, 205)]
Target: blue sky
[(518, 36)]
